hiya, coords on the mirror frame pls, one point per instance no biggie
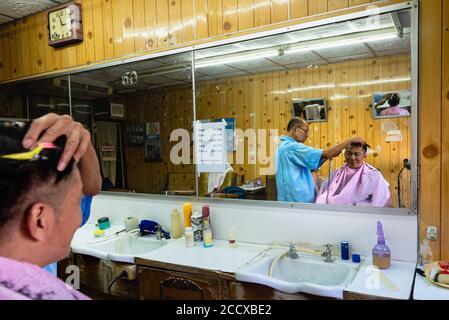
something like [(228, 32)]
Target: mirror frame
[(271, 30)]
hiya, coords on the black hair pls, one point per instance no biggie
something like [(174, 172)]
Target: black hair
[(364, 145), (19, 177), (295, 122), (394, 100)]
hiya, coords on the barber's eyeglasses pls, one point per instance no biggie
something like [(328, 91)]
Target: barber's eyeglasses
[(32, 155), (305, 131)]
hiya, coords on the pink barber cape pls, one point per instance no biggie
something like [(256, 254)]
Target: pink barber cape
[(25, 281), (363, 187)]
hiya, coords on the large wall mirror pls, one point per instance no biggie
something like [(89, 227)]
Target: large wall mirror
[(345, 78)]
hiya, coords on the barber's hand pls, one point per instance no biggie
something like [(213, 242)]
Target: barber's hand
[(53, 126)]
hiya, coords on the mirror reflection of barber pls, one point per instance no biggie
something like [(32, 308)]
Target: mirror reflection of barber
[(295, 161)]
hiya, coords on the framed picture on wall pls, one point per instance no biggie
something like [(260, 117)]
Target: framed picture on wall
[(136, 134), (117, 111), (153, 143), (311, 110), (391, 104)]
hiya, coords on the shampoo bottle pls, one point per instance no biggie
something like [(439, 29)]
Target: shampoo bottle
[(381, 252), (187, 207), (207, 235), (175, 224)]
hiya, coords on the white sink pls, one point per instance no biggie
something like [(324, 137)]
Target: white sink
[(122, 248), (308, 274)]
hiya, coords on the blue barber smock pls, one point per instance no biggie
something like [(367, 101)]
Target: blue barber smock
[(294, 162)]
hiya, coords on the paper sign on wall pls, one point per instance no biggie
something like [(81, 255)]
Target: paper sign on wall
[(210, 146)]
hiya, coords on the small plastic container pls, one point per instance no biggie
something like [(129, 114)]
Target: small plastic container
[(104, 223), (232, 242), (356, 258), (188, 235), (344, 250), (98, 233)]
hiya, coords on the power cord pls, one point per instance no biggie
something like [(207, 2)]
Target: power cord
[(122, 274)]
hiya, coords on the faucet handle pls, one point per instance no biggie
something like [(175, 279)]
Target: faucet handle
[(328, 246)]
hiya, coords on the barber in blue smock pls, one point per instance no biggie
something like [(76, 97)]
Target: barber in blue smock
[(79, 146), (296, 161)]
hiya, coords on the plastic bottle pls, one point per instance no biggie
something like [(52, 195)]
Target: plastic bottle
[(207, 235), (206, 213), (188, 234), (187, 207), (381, 252), (344, 250), (232, 241), (175, 224), (425, 252), (197, 226)]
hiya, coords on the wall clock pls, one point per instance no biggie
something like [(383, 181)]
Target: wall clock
[(64, 25)]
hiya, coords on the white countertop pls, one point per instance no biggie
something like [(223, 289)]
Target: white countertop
[(426, 290), (395, 282), (218, 257)]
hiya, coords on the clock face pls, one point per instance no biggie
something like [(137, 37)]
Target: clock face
[(60, 24)]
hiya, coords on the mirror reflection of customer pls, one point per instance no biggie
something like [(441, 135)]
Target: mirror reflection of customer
[(295, 161), (394, 108), (39, 213), (355, 183)]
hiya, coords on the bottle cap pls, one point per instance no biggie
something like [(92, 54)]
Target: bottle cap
[(356, 258), (205, 211), (188, 230)]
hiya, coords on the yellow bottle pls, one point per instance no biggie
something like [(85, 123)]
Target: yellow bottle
[(175, 224), (187, 213)]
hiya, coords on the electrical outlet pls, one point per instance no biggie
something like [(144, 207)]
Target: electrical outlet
[(129, 269), (432, 232)]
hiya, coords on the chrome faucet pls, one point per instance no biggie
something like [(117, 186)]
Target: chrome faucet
[(327, 254), (292, 254), (159, 234)]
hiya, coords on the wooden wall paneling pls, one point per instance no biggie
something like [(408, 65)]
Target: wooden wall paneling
[(395, 156), (385, 167), (245, 14), (332, 113), (377, 75), (108, 31), (262, 13), (139, 25), (325, 136), (188, 20), (32, 42), (201, 25), (353, 3), (7, 64), (263, 111), (279, 10), (369, 123), (127, 15), (81, 47), (150, 24), (337, 117), (98, 29), (445, 138), (337, 4), (3, 65), (317, 7), (175, 22), (164, 38), (13, 49), (298, 9), (230, 16), (345, 105), (117, 26), (24, 48), (88, 22), (215, 17)]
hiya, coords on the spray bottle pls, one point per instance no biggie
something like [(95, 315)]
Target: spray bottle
[(381, 252)]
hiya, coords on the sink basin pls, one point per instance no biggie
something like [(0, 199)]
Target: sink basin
[(308, 274), (122, 248)]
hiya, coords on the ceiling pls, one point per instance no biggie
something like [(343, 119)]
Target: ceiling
[(175, 70), (11, 10)]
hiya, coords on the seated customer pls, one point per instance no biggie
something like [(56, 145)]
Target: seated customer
[(39, 213), (356, 182)]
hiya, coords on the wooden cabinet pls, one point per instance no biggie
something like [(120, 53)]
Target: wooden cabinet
[(159, 280)]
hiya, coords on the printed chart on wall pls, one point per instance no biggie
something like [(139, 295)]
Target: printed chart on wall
[(136, 134), (153, 143), (210, 146), (229, 131)]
